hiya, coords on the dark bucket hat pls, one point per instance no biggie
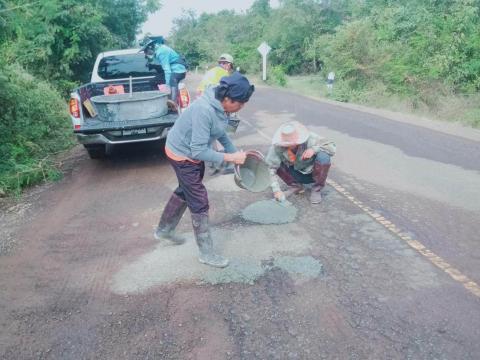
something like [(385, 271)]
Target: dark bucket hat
[(238, 87)]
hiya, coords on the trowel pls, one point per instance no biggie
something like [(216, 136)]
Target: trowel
[(283, 202)]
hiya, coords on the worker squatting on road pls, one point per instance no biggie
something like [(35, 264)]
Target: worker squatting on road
[(188, 146), (299, 156)]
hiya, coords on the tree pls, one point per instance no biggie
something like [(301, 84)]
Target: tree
[(58, 40)]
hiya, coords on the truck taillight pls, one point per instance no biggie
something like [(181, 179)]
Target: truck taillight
[(184, 96), (74, 108)]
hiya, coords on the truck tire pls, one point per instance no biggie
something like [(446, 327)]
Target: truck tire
[(96, 151)]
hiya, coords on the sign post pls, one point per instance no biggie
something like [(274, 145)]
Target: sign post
[(264, 49)]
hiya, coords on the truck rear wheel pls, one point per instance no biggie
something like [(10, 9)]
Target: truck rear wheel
[(96, 151)]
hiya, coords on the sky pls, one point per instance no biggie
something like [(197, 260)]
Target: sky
[(160, 23)]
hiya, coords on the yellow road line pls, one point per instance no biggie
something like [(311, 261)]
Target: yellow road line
[(416, 245)]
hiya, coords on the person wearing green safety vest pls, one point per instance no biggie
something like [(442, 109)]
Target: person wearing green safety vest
[(212, 77)]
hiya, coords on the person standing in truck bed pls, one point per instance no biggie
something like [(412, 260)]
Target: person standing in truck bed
[(171, 62)]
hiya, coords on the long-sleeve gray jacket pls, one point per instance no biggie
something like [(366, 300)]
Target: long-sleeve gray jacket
[(198, 127)]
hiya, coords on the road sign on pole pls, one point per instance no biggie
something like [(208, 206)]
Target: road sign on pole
[(264, 49)]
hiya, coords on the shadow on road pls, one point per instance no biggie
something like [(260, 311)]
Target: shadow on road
[(134, 155)]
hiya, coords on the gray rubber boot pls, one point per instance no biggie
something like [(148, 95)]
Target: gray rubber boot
[(294, 190), (315, 196), (294, 187), (171, 216), (319, 174), (201, 229)]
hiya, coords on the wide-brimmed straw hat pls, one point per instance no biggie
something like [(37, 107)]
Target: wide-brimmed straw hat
[(290, 134)]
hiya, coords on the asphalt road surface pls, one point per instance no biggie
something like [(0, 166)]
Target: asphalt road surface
[(387, 267)]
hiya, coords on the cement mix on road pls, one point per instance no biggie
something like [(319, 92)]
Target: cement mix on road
[(270, 212), (253, 250)]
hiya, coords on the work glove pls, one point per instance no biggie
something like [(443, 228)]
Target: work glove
[(279, 196)]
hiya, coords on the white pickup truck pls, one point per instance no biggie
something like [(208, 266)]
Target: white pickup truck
[(121, 104)]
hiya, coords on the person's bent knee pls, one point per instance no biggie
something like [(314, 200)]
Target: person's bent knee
[(323, 158)]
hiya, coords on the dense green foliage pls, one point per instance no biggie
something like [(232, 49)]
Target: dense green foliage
[(47, 47), (424, 53), (58, 40), (33, 126), (420, 51)]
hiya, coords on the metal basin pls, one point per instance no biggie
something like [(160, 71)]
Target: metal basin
[(123, 107), (253, 174)]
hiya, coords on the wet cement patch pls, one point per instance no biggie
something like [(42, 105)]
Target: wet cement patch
[(239, 271), (270, 212), (304, 266), (247, 271), (252, 250)]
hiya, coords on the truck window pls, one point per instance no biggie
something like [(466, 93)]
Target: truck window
[(123, 66)]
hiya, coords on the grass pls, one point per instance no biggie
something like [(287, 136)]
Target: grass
[(28, 174)]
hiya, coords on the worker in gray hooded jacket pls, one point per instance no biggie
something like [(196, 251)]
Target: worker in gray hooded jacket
[(188, 146)]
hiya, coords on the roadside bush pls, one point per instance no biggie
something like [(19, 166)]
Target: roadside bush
[(344, 92), (472, 117), (33, 126), (278, 75)]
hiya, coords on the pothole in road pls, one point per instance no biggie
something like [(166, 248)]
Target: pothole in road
[(260, 212), (248, 270), (252, 250)]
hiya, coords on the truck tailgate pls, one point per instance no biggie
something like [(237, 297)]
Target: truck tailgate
[(93, 125)]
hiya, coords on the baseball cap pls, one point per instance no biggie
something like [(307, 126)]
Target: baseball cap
[(226, 57)]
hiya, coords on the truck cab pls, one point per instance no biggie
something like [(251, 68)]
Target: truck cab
[(121, 104)]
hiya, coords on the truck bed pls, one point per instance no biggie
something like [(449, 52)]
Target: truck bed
[(99, 131), (90, 90)]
